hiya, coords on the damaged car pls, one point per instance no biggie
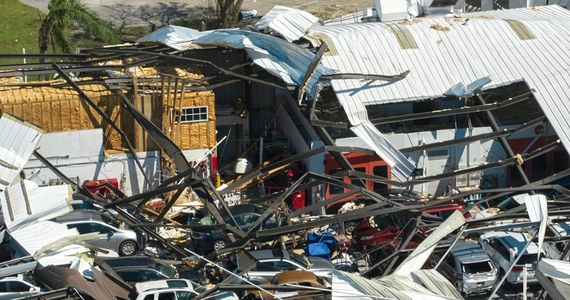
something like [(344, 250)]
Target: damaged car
[(469, 268), (270, 262)]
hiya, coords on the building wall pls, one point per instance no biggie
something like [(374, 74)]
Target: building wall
[(60, 109), (83, 158), (448, 158), (56, 109)]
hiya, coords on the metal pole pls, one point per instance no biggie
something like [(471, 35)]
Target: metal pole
[(25, 76), (524, 281)]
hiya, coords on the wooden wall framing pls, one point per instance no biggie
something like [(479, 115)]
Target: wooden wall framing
[(59, 109)]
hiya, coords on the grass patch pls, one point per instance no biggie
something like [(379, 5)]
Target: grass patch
[(18, 27)]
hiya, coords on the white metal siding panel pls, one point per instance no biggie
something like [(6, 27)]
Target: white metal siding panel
[(34, 237), (44, 203), (290, 23), (17, 143)]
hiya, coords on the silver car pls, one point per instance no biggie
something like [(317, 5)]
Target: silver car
[(470, 269), (269, 263), (124, 242), (16, 287)]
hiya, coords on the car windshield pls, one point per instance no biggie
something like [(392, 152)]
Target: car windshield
[(167, 270), (447, 213), (208, 220), (301, 260), (111, 221), (176, 284), (528, 259), (507, 204), (383, 221), (398, 219), (476, 267), (198, 288)]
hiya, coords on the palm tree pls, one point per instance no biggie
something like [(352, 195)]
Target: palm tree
[(61, 14)]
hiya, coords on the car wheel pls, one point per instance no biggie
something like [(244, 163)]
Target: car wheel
[(220, 244), (501, 275), (128, 248), (349, 227)]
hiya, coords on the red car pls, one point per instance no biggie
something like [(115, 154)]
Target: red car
[(388, 229), (381, 230)]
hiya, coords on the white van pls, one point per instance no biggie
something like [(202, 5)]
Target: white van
[(469, 268), (503, 247)]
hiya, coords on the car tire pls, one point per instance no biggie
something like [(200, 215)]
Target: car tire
[(219, 244), (349, 227), (128, 248), (506, 282)]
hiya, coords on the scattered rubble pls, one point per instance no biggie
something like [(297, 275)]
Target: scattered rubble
[(173, 221)]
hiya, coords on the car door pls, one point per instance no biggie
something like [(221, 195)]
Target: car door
[(499, 254), (263, 271), (107, 236)]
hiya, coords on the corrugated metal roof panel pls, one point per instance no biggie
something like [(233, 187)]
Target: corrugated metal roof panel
[(18, 141), (349, 285), (177, 37), (283, 59), (288, 22), (436, 283), (24, 203), (452, 51), (35, 236)]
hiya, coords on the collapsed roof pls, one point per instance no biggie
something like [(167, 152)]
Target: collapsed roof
[(436, 56), (290, 63)]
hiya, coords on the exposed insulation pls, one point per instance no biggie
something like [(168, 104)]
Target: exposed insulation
[(193, 135), (60, 109), (54, 109)]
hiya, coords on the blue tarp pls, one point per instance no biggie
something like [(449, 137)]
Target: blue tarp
[(319, 250)]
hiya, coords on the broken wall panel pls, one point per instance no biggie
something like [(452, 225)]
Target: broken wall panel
[(18, 140), (24, 202), (151, 107)]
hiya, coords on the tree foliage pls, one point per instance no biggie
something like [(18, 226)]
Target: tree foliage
[(61, 15)]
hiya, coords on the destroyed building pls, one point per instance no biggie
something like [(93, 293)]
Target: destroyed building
[(452, 109)]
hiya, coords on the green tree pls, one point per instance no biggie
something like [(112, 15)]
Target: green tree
[(61, 15), (228, 12)]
